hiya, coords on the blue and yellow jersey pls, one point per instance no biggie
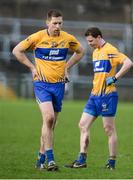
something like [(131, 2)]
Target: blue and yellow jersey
[(105, 61), (50, 53)]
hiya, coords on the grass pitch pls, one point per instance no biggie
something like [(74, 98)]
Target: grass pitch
[(20, 126)]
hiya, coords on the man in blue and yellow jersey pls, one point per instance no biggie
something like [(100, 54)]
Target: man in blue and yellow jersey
[(50, 72), (103, 99)]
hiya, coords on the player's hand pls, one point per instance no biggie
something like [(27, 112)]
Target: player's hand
[(110, 80), (34, 73), (67, 80)]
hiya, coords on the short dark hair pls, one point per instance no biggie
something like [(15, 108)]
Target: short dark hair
[(93, 31), (53, 13)]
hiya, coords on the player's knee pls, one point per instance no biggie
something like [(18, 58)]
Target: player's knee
[(108, 130), (50, 120), (82, 127)]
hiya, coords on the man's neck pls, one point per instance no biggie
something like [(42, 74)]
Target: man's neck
[(52, 34), (102, 43)]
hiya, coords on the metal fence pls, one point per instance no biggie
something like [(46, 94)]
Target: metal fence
[(13, 30)]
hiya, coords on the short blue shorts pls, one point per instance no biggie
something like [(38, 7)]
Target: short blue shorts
[(53, 92), (104, 105)]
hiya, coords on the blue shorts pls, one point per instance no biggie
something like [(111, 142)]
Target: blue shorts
[(53, 92), (104, 105)]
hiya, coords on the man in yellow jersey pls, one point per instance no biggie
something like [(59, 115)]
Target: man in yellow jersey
[(50, 47), (103, 99)]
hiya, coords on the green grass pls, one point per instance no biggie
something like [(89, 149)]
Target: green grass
[(20, 125)]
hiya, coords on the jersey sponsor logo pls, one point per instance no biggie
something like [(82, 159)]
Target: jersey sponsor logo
[(51, 54), (97, 63), (54, 52), (102, 66)]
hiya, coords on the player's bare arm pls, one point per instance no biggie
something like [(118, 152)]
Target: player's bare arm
[(19, 52), (127, 64), (75, 58)]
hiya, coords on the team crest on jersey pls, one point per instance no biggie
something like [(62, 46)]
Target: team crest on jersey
[(54, 44), (62, 43)]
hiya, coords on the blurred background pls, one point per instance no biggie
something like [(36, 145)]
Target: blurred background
[(20, 18)]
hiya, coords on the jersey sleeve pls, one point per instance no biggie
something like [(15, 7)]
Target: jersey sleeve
[(30, 42), (116, 56), (73, 43)]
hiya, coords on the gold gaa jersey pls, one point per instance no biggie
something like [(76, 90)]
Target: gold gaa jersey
[(105, 61), (50, 53)]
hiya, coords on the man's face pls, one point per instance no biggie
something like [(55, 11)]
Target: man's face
[(93, 42), (55, 25)]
